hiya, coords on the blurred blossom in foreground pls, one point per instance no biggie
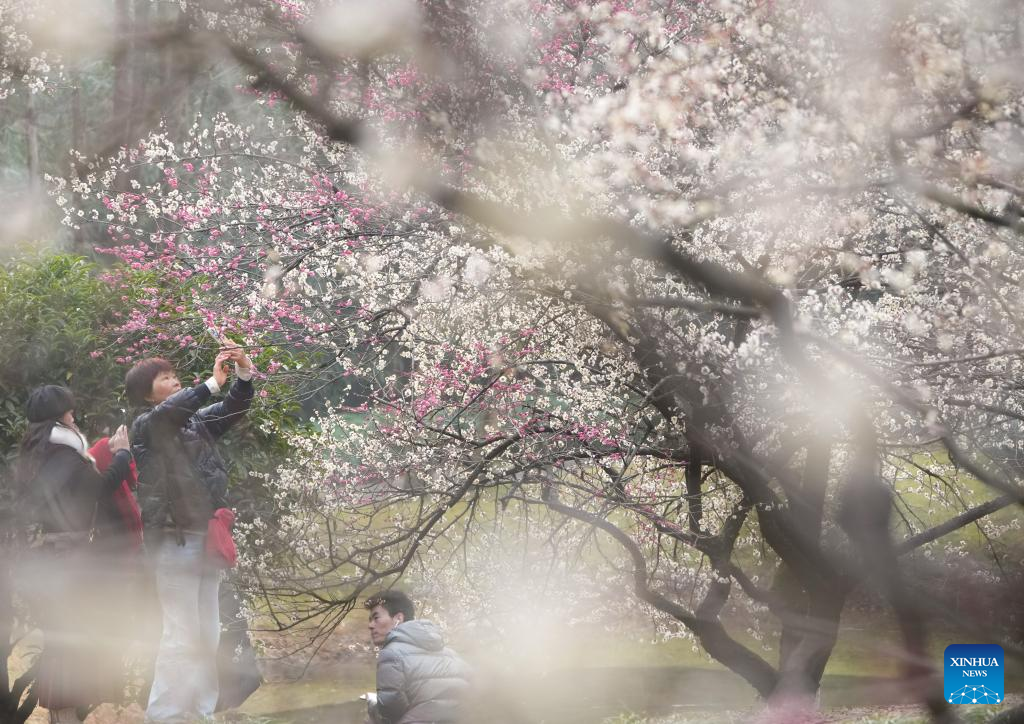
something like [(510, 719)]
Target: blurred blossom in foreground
[(365, 28), (76, 30)]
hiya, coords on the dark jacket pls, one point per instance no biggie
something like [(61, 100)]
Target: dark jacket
[(418, 678), (69, 496), (71, 586), (182, 477)]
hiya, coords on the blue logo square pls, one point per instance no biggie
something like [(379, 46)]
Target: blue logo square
[(973, 674)]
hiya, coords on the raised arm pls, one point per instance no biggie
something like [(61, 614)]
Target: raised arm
[(176, 410), (117, 472), (218, 418), (120, 462)]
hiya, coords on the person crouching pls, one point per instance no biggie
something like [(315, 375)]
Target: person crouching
[(419, 679)]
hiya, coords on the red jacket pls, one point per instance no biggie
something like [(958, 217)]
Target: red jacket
[(124, 499)]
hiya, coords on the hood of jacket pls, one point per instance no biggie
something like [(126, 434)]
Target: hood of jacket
[(419, 633)]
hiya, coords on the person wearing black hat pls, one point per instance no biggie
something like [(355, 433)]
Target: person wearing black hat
[(66, 579), (55, 469)]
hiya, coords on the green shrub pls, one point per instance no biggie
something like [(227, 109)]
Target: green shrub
[(52, 315), (57, 323)]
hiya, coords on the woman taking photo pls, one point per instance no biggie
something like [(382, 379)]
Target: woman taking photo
[(69, 579)]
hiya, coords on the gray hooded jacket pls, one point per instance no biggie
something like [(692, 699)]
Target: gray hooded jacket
[(418, 678)]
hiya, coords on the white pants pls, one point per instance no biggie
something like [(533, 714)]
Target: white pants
[(185, 677)]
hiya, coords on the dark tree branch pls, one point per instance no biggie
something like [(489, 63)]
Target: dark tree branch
[(967, 517), (713, 636)]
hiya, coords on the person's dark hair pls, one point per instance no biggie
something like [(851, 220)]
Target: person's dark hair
[(395, 602), (139, 380), (45, 406)]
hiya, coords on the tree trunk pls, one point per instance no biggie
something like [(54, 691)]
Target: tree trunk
[(865, 510), (77, 144), (177, 63), (694, 503), (32, 136), (120, 116), (810, 623), (807, 643), (794, 597), (142, 67)]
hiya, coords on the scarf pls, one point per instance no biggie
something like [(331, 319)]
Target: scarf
[(61, 434)]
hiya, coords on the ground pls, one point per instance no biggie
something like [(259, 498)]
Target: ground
[(591, 678)]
